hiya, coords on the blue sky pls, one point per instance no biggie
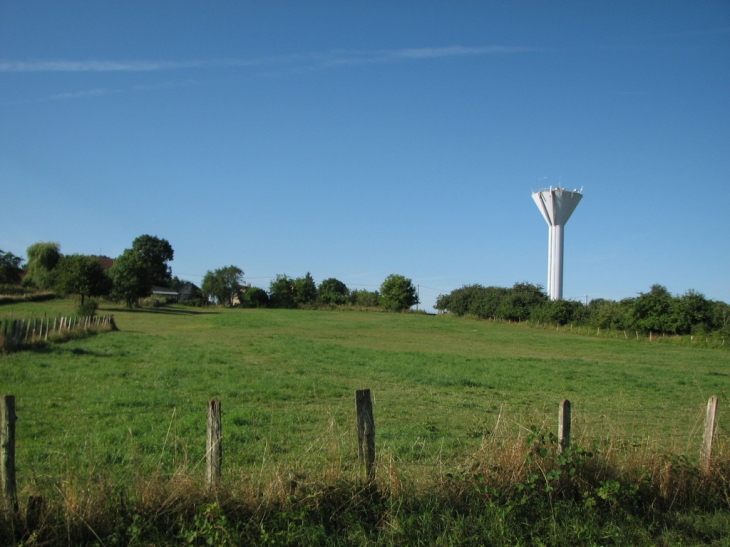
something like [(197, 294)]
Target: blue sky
[(358, 139)]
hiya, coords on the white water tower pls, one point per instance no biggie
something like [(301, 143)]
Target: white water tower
[(556, 206)]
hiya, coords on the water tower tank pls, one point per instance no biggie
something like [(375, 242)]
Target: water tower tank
[(556, 206)]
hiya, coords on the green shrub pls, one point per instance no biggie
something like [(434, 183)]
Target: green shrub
[(88, 308)]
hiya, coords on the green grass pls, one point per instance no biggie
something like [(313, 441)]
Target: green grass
[(128, 404), (287, 382)]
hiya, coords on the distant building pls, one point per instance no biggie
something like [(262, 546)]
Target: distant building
[(189, 293), (105, 261), (164, 292)]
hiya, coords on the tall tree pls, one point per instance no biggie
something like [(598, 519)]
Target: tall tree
[(398, 293), (42, 260), (10, 268), (156, 253), (281, 292), (332, 291), (305, 290), (224, 284), (130, 278), (79, 274)]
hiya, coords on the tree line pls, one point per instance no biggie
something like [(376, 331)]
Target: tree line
[(132, 276), (654, 311), (146, 265), (225, 286)]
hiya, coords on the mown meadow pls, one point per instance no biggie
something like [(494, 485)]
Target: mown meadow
[(111, 431)]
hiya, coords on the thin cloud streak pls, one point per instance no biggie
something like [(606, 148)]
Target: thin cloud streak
[(334, 58)]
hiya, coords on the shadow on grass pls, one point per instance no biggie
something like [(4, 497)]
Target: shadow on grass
[(42, 348), (162, 310)]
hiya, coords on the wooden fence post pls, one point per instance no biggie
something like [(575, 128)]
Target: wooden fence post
[(564, 426), (214, 446), (365, 435), (7, 452), (708, 438)]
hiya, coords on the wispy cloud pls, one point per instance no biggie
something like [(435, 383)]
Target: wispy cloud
[(81, 94), (328, 59)]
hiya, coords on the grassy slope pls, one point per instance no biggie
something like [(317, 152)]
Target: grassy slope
[(131, 404), (287, 378)]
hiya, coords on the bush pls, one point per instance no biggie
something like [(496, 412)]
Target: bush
[(87, 308), (365, 298)]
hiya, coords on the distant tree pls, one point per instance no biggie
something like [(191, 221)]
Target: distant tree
[(255, 297), (224, 284), (365, 298), (281, 292), (397, 293), (156, 253), (609, 314), (522, 298), (721, 318), (652, 311), (130, 278), (560, 312), (305, 290), (42, 260), (477, 300), (10, 268), (83, 275), (692, 312), (332, 291), (488, 302)]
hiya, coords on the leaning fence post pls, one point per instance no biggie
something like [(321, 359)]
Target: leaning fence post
[(564, 425), (7, 452), (214, 447), (708, 438), (365, 435)]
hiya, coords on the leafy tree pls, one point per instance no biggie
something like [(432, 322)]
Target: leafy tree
[(42, 260), (398, 293), (10, 268), (156, 253), (224, 284), (130, 278), (560, 312), (652, 311), (488, 302), (609, 314), (332, 291), (281, 292), (692, 312), (522, 298), (473, 299), (365, 298), (79, 274), (254, 297), (305, 290), (721, 318)]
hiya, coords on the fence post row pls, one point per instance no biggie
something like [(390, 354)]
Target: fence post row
[(708, 438), (7, 452), (214, 445)]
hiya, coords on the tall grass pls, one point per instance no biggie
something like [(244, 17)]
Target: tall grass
[(510, 491)]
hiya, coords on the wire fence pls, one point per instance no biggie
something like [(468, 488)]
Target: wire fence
[(161, 438)]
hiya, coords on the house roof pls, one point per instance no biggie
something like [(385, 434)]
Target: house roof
[(105, 262), (164, 291)]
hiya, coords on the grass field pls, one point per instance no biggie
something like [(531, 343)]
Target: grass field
[(132, 402)]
